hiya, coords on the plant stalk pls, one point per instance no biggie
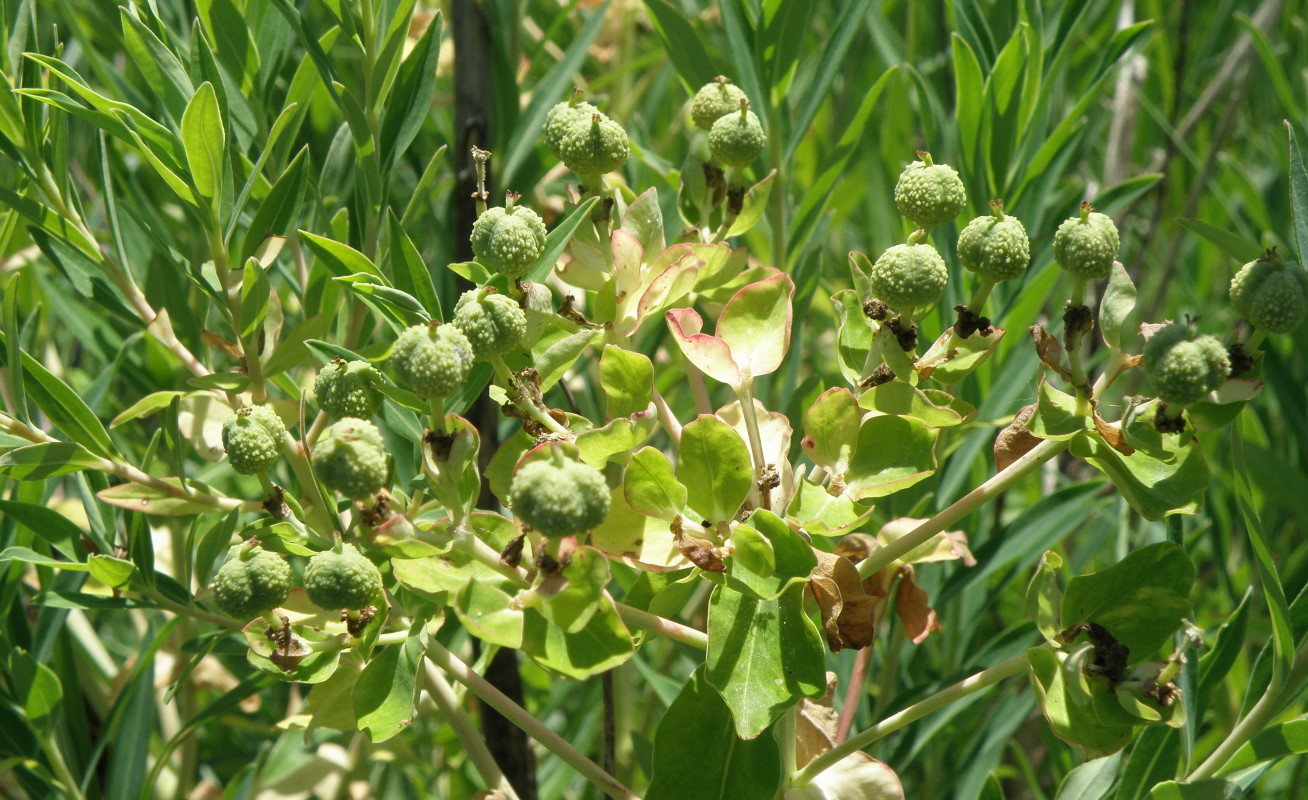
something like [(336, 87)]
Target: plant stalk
[(479, 686), (984, 679)]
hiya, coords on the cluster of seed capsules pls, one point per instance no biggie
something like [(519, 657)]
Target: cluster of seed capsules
[(555, 496), (1184, 365)]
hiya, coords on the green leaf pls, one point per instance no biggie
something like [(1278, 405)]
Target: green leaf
[(715, 468), (651, 487), (892, 453), (821, 513), (402, 307), (681, 44), (831, 429), (557, 240), (384, 695), (149, 500), (1141, 599), (146, 406), (1116, 306), (643, 219), (573, 606), (280, 209), (65, 408), (38, 462), (557, 349), (615, 440), (29, 556), (628, 381), (787, 558), (1213, 789), (763, 656), (1069, 721), (485, 611), (220, 382), (409, 101), (48, 524), (113, 572), (410, 271), (1152, 486), (35, 688), (600, 646), (1298, 194), (1043, 596), (754, 204), (950, 358), (255, 292), (900, 399), (1056, 415), (340, 259), (1233, 244), (755, 324), (1091, 780), (697, 730), (205, 142), (1287, 739)]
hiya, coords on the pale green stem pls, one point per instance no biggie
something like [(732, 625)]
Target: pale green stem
[(1255, 339), (992, 488), (533, 727), (130, 473), (666, 418), (653, 623), (982, 294), (745, 394), (65, 775), (984, 679), (1079, 379), (187, 611), (1259, 717), (437, 415), (442, 694), (698, 388), (786, 738), (321, 519)]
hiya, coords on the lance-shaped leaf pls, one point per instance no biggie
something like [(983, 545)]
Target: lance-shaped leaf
[(753, 332), (1116, 307)]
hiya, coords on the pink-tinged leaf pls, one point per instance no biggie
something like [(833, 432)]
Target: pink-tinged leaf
[(627, 255), (709, 353), (831, 429), (669, 285), (644, 220), (755, 324)]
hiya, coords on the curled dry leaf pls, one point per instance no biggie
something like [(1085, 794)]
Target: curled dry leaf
[(816, 724), (847, 609), (1049, 350), (1015, 441), (944, 546), (857, 776), (914, 608), (1113, 435)]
